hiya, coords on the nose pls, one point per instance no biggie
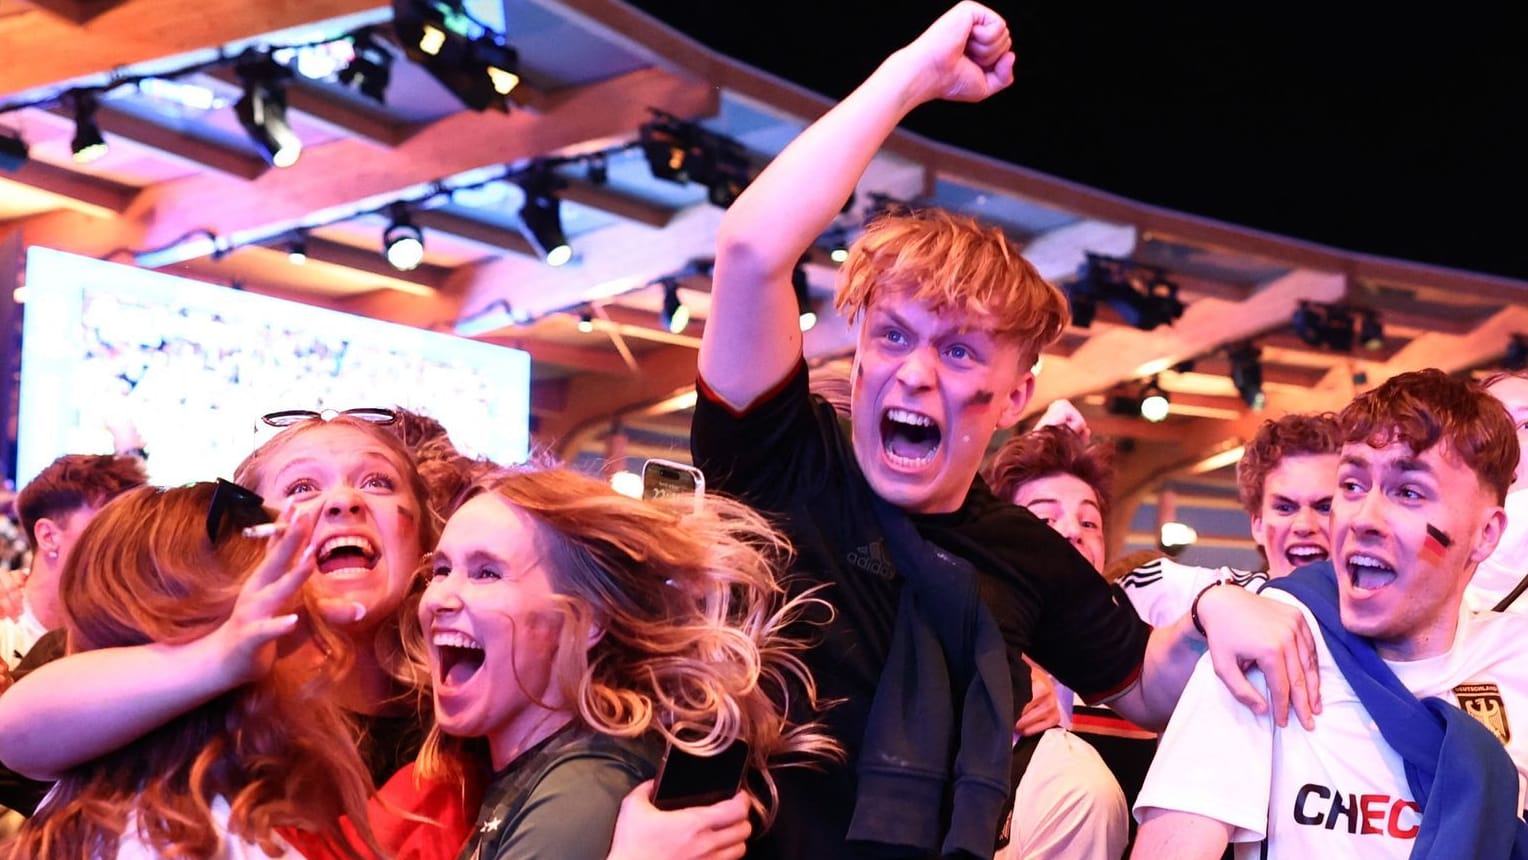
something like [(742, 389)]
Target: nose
[(342, 502), (1307, 521), (1368, 513), (917, 369), (440, 596)]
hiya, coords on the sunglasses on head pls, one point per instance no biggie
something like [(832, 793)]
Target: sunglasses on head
[(288, 417)]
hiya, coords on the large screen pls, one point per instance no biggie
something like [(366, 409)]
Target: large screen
[(193, 366)]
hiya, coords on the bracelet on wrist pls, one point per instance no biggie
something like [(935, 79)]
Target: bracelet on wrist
[(1193, 608)]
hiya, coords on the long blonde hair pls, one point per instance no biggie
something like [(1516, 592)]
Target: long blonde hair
[(691, 622), (277, 749)]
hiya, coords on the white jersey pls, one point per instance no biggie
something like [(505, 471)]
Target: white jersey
[(1162, 590), (1507, 565), (19, 634), (1338, 791)]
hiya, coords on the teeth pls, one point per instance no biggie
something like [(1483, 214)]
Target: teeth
[(909, 462), (334, 543), (453, 639), (1368, 561), (903, 416), (1306, 552)]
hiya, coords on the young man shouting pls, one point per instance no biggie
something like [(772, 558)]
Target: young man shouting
[(1418, 694)]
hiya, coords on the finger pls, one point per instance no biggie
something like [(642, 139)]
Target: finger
[(272, 628), (1277, 676), (1310, 659), (1001, 75), (731, 842), (1241, 689), (282, 548), (724, 813), (1299, 688), (340, 612)]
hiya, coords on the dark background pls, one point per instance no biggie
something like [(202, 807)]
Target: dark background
[(1380, 131)]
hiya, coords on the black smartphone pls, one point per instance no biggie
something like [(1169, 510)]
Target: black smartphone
[(685, 779), (668, 478)]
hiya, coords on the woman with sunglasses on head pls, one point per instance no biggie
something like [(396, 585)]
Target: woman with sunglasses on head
[(373, 522), (575, 631), (228, 777)]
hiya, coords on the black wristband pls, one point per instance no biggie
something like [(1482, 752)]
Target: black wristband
[(1193, 608)]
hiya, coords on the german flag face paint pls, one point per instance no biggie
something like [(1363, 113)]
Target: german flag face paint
[(1434, 545)]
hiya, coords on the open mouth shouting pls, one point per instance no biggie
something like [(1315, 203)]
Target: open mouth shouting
[(1301, 554), (346, 554), (909, 439), (1368, 573), (457, 659)]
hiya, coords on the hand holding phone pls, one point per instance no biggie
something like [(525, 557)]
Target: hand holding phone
[(667, 478), (685, 779)]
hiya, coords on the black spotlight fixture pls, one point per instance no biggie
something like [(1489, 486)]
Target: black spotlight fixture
[(263, 109), (372, 68), (1142, 296), (403, 241), (13, 151), (675, 316), (297, 249), (597, 169), (467, 59), (585, 321), (1307, 324), (1247, 374), (681, 151), (1371, 332), (542, 214), (1517, 353), (804, 310), (1333, 327), (88, 144)]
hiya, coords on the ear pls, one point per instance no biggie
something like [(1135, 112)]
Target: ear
[(49, 534), (595, 633), (1257, 531), (1018, 397), (1488, 535)]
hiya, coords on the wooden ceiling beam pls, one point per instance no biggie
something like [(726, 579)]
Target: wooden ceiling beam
[(179, 145), (89, 194), (622, 205), (497, 239), (45, 48), (78, 12), (373, 263), (339, 116)]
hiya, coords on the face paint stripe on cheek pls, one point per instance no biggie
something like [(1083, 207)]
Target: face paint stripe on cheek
[(982, 397)]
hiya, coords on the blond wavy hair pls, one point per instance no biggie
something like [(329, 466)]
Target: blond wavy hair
[(693, 644), (955, 265), (279, 750), (412, 686)]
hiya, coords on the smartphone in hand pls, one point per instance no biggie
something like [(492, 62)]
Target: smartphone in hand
[(685, 779), (668, 478)]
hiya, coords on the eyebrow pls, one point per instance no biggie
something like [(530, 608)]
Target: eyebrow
[(1033, 502), (1405, 464)]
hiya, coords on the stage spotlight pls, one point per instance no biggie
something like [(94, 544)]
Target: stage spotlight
[(477, 69), (13, 151), (542, 214), (1338, 328), (297, 251), (683, 152), (1154, 404), (371, 70), (597, 169), (88, 144), (804, 311), (1307, 324), (675, 316), (403, 242), (585, 321), (1174, 537), (262, 110), (1103, 280), (1247, 374), (1371, 333), (1517, 353)]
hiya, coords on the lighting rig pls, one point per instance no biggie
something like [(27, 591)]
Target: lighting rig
[(1143, 296)]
